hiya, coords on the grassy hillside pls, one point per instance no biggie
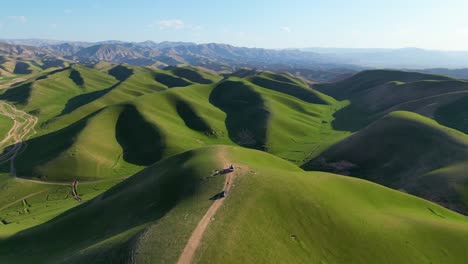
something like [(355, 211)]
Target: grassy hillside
[(372, 94), (175, 189), (5, 125), (25, 204), (94, 138), (455, 114), (275, 213), (408, 152)]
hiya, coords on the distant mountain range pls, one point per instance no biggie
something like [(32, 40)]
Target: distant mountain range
[(319, 64), (406, 58), (171, 53)]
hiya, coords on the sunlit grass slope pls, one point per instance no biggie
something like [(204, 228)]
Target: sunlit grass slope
[(275, 213), (372, 94), (95, 138), (405, 151)]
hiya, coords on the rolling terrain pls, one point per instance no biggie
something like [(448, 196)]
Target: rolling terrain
[(92, 122), (125, 165), (214, 56), (274, 212)]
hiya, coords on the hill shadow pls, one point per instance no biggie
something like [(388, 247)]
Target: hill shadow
[(121, 72), (84, 99), (45, 76), (46, 148), (22, 68), (75, 76), (191, 119), (170, 81), (143, 198), (142, 142), (190, 75), (247, 117), (18, 95), (288, 88), (352, 118), (454, 114), (51, 63)]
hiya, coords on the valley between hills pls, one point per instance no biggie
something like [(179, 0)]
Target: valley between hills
[(366, 168)]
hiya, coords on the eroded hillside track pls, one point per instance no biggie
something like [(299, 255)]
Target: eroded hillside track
[(197, 235), (13, 144)]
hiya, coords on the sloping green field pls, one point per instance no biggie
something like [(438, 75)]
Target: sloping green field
[(94, 138), (5, 125), (404, 150), (275, 213), (144, 144)]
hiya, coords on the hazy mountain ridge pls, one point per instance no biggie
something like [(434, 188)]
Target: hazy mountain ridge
[(410, 58), (213, 56)]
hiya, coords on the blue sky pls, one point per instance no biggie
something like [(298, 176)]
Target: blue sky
[(269, 24)]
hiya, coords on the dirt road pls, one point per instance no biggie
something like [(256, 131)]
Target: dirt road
[(23, 127), (194, 241)]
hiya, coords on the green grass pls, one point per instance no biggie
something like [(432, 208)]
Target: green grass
[(373, 94), (25, 204), (335, 220), (172, 191), (400, 151), (150, 216), (454, 115), (93, 138), (5, 125)]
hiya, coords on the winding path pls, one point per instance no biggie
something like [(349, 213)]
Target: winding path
[(194, 241), (22, 128)]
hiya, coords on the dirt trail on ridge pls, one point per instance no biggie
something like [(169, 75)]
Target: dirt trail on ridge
[(22, 128), (197, 235)]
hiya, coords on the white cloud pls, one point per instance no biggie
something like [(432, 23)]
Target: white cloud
[(19, 19), (67, 11), (285, 29), (170, 24), (53, 26)]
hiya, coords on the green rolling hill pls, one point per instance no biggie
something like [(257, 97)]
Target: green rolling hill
[(144, 144), (373, 94), (275, 213), (103, 120), (408, 152)]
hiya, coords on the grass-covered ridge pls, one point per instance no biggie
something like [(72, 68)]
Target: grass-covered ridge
[(95, 139), (373, 94), (275, 212), (144, 144), (404, 150)]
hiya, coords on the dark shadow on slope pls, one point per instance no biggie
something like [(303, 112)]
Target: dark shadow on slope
[(75, 76), (22, 68), (121, 72), (454, 115), (45, 76), (52, 63), (45, 148), (170, 81), (147, 196), (191, 119), (142, 142), (190, 75), (247, 117), (84, 99), (289, 89), (403, 154), (352, 118), (18, 95)]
